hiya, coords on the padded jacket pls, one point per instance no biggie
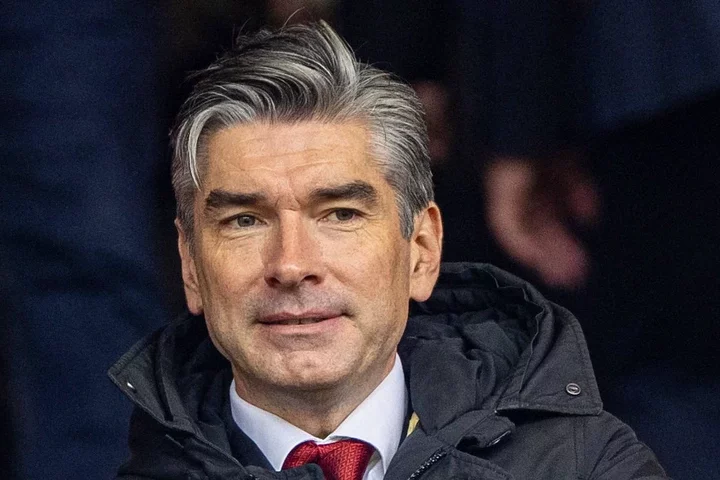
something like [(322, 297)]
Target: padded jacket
[(499, 378)]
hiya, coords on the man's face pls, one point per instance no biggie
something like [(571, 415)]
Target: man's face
[(299, 264)]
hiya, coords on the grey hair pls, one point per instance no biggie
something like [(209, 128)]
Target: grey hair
[(303, 73)]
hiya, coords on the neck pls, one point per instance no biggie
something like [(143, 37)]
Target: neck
[(318, 411)]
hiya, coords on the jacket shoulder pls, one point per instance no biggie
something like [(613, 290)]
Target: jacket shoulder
[(612, 451), (589, 447)]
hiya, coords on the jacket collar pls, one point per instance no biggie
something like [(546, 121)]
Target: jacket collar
[(487, 340)]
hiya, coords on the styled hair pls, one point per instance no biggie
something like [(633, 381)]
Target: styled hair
[(303, 73)]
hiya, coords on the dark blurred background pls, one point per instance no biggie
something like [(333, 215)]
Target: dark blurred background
[(574, 142)]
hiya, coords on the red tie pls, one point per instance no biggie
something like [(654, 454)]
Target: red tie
[(343, 460)]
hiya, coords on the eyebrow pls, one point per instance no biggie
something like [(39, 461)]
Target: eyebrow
[(218, 199), (357, 190)]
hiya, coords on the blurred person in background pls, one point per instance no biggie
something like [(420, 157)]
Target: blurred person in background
[(602, 178), (79, 277)]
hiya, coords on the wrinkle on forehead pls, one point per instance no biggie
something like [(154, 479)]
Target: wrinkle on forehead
[(281, 147), (277, 165)]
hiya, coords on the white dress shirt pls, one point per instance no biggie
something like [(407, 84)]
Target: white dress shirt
[(378, 420)]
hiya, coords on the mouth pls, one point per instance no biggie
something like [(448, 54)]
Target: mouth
[(299, 321), (306, 318)]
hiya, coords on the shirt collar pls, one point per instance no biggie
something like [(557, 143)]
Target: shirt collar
[(378, 420)]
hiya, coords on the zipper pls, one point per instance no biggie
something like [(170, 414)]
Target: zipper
[(498, 439), (428, 463)]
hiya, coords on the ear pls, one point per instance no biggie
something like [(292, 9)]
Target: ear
[(189, 272), (425, 252)]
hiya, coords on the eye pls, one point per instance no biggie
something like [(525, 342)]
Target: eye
[(343, 215), (245, 221)]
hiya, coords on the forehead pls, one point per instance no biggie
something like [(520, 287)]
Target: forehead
[(276, 153)]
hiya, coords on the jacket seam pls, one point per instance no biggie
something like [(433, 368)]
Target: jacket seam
[(579, 430)]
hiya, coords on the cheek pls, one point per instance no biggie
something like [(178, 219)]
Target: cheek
[(380, 275), (373, 261), (225, 276)]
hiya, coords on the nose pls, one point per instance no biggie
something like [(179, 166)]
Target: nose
[(293, 255)]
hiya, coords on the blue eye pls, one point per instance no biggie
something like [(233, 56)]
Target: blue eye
[(245, 221)]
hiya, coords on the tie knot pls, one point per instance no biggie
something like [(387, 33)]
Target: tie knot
[(343, 460)]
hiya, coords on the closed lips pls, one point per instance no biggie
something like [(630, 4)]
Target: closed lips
[(302, 319)]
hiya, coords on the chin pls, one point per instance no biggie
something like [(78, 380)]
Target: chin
[(315, 376)]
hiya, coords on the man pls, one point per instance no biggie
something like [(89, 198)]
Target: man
[(306, 225)]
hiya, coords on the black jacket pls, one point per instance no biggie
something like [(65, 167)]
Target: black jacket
[(499, 377)]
